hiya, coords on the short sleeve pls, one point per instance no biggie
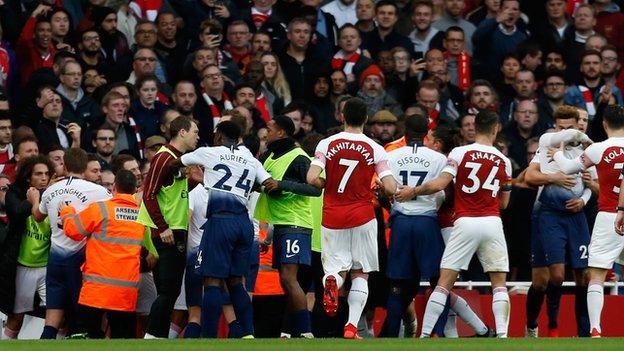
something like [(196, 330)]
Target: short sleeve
[(382, 165), (508, 168), (591, 156), (452, 162), (43, 205), (198, 157), (261, 174), (319, 154)]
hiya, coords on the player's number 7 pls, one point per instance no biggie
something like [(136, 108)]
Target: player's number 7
[(351, 164)]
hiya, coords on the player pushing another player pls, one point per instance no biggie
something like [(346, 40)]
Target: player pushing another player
[(482, 177)]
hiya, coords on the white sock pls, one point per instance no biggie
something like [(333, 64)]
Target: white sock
[(501, 308), (174, 331), (595, 301), (450, 329), (463, 310), (339, 280), (357, 299), (435, 307)]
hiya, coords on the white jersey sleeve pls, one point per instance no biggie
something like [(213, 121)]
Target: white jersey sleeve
[(199, 157), (565, 136), (261, 174), (319, 154), (453, 160), (381, 161), (198, 202)]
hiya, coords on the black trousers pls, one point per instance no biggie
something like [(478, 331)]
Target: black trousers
[(168, 280), (122, 324)]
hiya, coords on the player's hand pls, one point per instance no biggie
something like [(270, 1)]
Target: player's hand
[(563, 180), (575, 205), (271, 185), (33, 195), (404, 193), (587, 177), (619, 223), (167, 237), (151, 261)]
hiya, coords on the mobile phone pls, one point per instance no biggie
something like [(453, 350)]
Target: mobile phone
[(219, 3), (418, 55)]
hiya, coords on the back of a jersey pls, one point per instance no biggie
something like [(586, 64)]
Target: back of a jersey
[(74, 192), (608, 156), (412, 166), (229, 174), (480, 172), (350, 162)]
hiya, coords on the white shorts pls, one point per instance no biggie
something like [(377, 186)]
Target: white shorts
[(446, 234), (147, 294), (180, 303), (352, 248), (483, 235), (29, 281), (606, 245)]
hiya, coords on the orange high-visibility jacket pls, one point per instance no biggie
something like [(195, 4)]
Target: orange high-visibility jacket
[(114, 238), (268, 280)]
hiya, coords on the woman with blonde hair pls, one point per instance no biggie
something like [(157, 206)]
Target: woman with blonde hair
[(275, 82)]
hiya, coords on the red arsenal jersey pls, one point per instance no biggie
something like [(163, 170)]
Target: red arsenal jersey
[(479, 171), (350, 161)]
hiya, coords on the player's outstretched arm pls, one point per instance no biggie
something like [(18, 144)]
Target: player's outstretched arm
[(534, 177), (314, 177), (435, 185), (389, 185), (567, 165)]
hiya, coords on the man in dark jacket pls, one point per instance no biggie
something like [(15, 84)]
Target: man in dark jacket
[(385, 37), (51, 131), (78, 107), (299, 59)]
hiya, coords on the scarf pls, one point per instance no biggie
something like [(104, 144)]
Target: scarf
[(259, 18), (137, 135), (433, 117), (463, 69), (261, 105), (214, 110), (373, 103), (340, 62), (588, 98)]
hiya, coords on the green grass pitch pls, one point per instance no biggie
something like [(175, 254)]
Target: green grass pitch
[(519, 344)]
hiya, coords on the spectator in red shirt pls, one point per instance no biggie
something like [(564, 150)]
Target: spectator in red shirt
[(34, 47)]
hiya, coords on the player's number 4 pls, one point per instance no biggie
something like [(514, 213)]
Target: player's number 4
[(491, 183)]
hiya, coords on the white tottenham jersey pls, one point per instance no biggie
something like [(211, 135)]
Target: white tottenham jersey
[(198, 201), (229, 174), (552, 195), (74, 192), (413, 166)]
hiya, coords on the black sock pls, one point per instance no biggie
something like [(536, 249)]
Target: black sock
[(580, 309), (535, 298), (553, 300)]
